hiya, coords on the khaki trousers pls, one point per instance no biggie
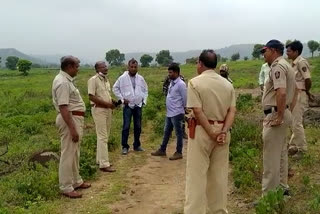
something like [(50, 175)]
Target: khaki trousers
[(102, 119), (275, 153), (206, 174), (69, 177), (298, 137)]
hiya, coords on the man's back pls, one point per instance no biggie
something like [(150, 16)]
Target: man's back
[(213, 93)]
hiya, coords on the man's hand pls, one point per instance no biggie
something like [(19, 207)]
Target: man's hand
[(221, 138), (74, 135), (213, 136), (276, 122), (125, 101)]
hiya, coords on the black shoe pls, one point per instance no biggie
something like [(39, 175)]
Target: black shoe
[(139, 149), (176, 156), (124, 151), (159, 152)]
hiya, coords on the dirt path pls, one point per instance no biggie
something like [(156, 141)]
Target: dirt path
[(156, 187)]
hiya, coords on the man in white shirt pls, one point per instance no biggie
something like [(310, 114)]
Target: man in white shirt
[(132, 90), (263, 76)]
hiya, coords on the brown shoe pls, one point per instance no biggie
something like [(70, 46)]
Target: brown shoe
[(84, 185), (158, 153), (176, 156), (73, 194), (107, 169)]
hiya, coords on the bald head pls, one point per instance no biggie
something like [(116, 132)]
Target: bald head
[(208, 58)]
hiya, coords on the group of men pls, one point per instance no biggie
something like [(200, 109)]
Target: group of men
[(130, 89), (211, 98), (286, 91)]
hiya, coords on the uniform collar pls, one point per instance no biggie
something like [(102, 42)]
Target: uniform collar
[(65, 74), (209, 71), (296, 60), (276, 61)]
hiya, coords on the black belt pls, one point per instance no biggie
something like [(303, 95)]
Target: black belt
[(269, 111)]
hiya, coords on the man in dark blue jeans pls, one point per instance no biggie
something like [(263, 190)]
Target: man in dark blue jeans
[(128, 113), (175, 104), (132, 90)]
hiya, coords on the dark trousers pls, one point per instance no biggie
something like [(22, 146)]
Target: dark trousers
[(128, 113), (176, 123)]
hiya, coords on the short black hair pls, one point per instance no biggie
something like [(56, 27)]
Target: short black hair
[(209, 58), (295, 46), (97, 64), (132, 61), (68, 60), (174, 67)]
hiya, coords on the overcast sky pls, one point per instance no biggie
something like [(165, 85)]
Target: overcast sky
[(88, 29)]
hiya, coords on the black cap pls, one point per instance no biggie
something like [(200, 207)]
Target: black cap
[(276, 44)]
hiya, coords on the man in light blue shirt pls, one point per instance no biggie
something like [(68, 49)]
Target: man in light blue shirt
[(175, 103)]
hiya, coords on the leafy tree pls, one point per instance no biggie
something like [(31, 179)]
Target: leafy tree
[(164, 58), (24, 66), (114, 57), (313, 46), (11, 62), (235, 57), (192, 60), (145, 60), (224, 59), (256, 51), (245, 58)]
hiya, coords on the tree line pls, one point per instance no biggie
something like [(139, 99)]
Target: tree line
[(115, 58)]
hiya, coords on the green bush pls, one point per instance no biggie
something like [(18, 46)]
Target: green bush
[(245, 102), (31, 185), (272, 203), (88, 167)]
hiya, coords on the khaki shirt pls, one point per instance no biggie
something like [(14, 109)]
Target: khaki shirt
[(213, 93), (301, 68), (281, 75), (99, 87), (64, 92)]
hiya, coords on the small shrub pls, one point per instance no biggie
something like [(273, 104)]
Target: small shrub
[(245, 102), (271, 203)]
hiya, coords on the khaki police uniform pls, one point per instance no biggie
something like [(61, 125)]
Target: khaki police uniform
[(275, 151), (64, 92), (99, 86), (207, 162), (302, 71)]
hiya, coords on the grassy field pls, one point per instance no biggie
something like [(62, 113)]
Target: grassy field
[(27, 125)]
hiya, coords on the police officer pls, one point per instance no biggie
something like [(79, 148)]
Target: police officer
[(277, 97), (99, 91), (70, 107), (212, 99), (301, 68), (224, 71)]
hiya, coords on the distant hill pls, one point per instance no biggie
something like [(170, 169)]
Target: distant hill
[(243, 49), (5, 52)]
